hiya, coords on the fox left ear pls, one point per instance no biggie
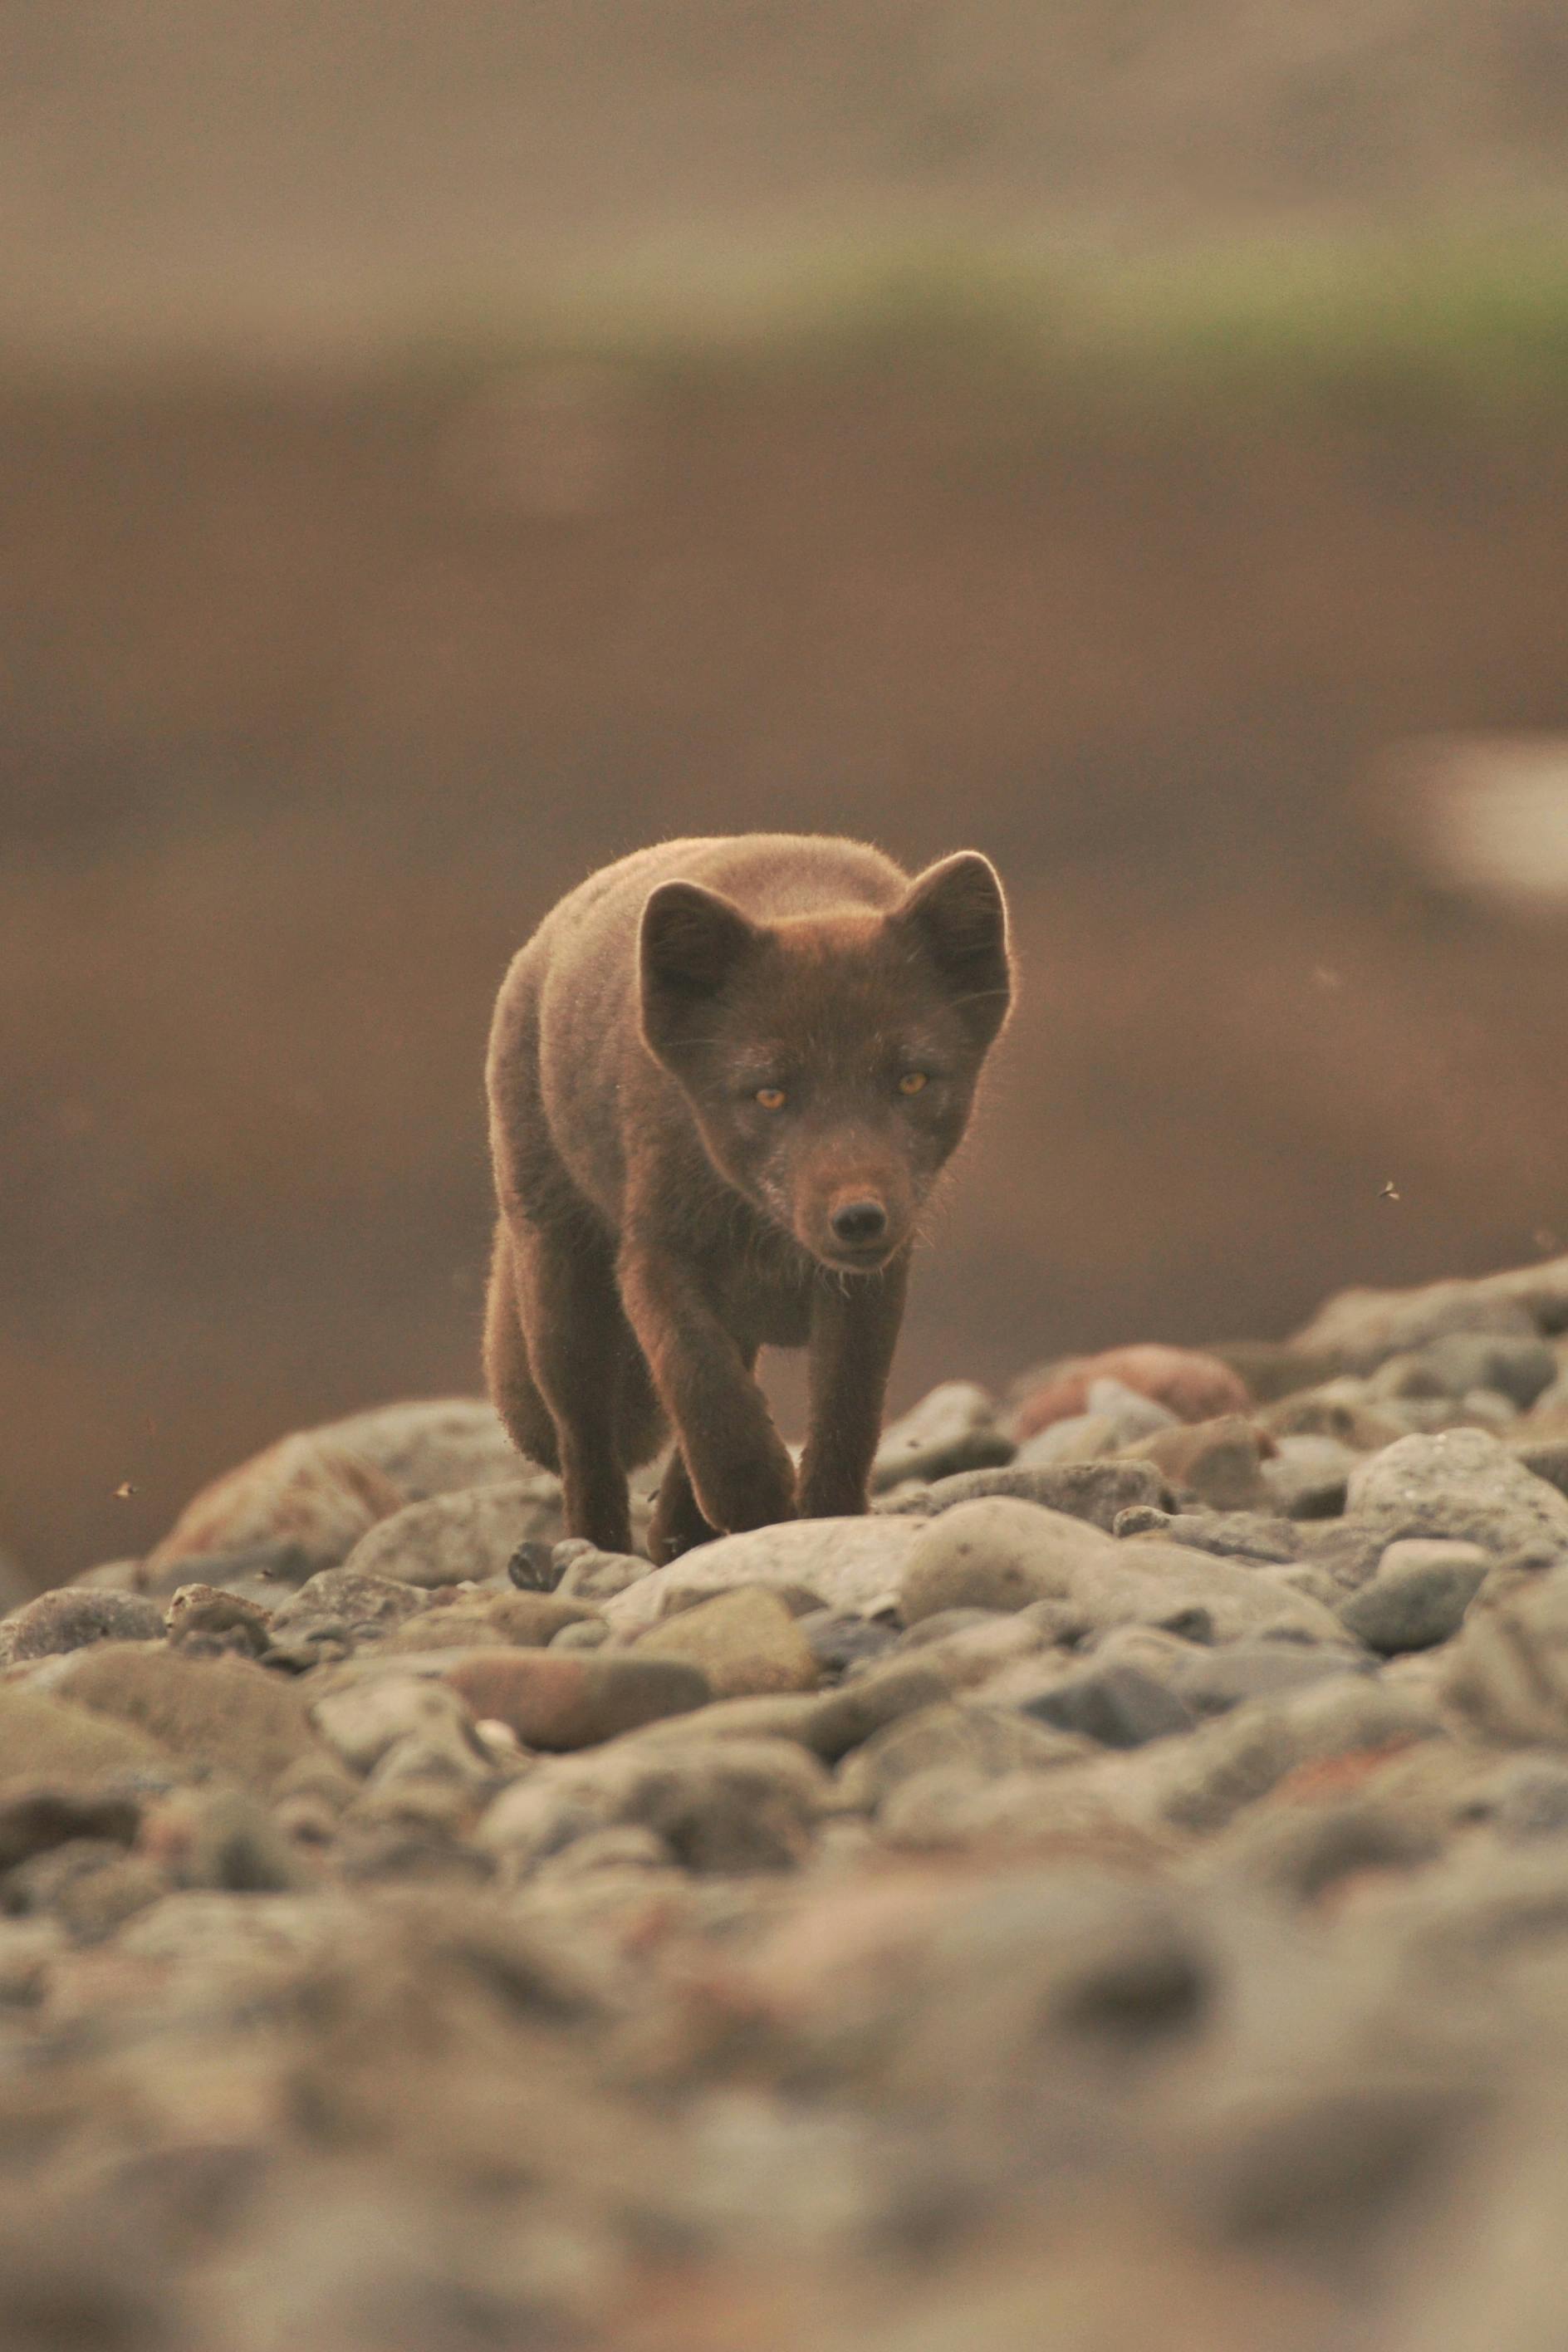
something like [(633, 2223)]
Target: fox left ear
[(956, 911)]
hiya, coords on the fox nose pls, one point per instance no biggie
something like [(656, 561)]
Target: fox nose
[(860, 1223)]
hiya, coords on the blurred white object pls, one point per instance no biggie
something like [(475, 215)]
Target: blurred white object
[(1486, 815)]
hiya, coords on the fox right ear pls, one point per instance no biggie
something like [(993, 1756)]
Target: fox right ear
[(690, 942)]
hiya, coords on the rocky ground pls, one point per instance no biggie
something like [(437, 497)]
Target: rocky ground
[(1114, 1896)]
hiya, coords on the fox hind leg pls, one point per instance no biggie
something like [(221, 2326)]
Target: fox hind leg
[(509, 1374)]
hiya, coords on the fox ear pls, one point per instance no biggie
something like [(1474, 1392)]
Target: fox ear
[(957, 914), (690, 942)]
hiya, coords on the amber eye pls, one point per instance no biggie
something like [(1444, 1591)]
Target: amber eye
[(772, 1097), (912, 1082)]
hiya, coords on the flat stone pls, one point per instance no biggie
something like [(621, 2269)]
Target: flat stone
[(985, 1741), (854, 1563), (467, 1537), (72, 1619), (1229, 1535), (745, 1642), (1149, 1582), (1095, 1491), (1214, 1681), (553, 1700)]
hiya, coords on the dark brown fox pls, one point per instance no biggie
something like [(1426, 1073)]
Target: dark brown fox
[(724, 1074)]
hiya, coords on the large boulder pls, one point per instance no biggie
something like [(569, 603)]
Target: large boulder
[(305, 1494)]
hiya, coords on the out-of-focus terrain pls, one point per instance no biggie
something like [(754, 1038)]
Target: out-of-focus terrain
[(351, 616)]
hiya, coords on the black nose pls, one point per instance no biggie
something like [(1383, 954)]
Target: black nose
[(859, 1224)]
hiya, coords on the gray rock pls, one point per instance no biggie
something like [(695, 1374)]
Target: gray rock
[(1147, 1582), (208, 1617), (1214, 1681), (586, 1633), (1306, 1479), (1201, 1782), (718, 1805), (1095, 1491), (854, 1564), (586, 1573), (839, 1640), (264, 1574), (745, 1641), (1137, 1414), (348, 1601), (464, 1536), (228, 1714), (1517, 1366), (1460, 1483), (1039, 1962), (1230, 1534), (433, 1445), (71, 1618), (1510, 1669), (997, 1553), (954, 1428), (1078, 1437), (845, 1718), (1418, 1596), (362, 1718), (1360, 1330), (304, 1491), (984, 1741), (1526, 1799), (1301, 1850), (1116, 1706), (34, 1820), (1544, 1457)]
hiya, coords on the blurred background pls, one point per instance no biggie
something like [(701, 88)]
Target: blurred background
[(441, 450)]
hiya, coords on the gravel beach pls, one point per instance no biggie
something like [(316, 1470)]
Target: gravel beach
[(1114, 1896)]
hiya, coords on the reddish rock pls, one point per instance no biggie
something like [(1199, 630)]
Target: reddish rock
[(1217, 1461), (1193, 1386), (304, 1492), (564, 1700)]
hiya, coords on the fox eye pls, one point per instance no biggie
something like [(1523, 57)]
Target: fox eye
[(912, 1082), (771, 1097)]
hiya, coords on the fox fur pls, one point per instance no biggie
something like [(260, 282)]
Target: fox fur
[(724, 1074)]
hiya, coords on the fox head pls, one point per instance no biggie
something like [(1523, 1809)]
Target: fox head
[(830, 1061)]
